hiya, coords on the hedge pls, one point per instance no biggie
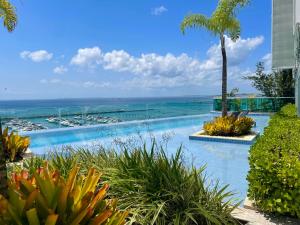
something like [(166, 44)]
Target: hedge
[(274, 176)]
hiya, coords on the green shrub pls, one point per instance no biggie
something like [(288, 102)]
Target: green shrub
[(162, 191), (154, 188), (274, 176), (229, 126)]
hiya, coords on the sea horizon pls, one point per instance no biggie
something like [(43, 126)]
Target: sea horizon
[(120, 97)]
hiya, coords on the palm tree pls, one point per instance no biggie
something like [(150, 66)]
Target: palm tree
[(222, 22), (9, 16)]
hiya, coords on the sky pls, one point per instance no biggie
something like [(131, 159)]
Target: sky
[(119, 48)]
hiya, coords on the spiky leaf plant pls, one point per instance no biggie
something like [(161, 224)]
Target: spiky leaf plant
[(156, 188), (159, 189), (14, 145), (48, 198)]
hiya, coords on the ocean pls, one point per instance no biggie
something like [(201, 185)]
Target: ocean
[(47, 114)]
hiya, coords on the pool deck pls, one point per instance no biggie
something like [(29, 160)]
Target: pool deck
[(254, 217)]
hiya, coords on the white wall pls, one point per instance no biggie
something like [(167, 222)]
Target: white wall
[(297, 15)]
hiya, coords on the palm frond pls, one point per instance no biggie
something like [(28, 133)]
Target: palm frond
[(234, 29), (196, 21), (222, 21), (8, 14)]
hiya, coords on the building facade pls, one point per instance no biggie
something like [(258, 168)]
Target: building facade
[(286, 39)]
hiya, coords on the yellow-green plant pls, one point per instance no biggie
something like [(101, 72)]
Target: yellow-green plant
[(243, 125), (14, 145), (229, 126), (47, 198)]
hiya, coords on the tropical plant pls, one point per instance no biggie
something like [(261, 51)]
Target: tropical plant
[(159, 189), (154, 187), (273, 178), (48, 198), (14, 145), (233, 92), (3, 167), (9, 16), (229, 126), (279, 83), (222, 22)]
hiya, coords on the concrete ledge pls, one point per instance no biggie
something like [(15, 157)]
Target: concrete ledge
[(254, 217), (249, 204), (251, 215), (246, 139)]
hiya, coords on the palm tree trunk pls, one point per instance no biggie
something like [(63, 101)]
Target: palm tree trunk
[(3, 168), (224, 77)]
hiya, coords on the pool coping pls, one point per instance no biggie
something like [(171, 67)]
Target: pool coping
[(246, 139)]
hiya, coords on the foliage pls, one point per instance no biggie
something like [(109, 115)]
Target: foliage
[(222, 22), (8, 14), (229, 126), (273, 178), (14, 145), (233, 92), (155, 188), (163, 191), (47, 198), (276, 84)]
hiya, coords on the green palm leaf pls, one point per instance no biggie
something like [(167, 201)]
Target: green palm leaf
[(8, 14)]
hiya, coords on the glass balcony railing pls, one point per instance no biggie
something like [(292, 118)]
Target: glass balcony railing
[(255, 104), (52, 114)]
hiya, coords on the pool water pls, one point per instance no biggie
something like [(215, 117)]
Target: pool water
[(227, 162)]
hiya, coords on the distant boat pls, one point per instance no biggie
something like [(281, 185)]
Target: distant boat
[(52, 120)]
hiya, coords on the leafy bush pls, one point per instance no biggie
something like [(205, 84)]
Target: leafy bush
[(274, 176), (162, 191), (155, 188), (229, 126), (14, 145), (47, 198)]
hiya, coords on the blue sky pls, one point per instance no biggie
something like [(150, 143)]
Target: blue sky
[(133, 48)]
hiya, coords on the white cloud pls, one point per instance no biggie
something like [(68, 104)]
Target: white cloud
[(153, 70), (150, 64), (237, 52), (60, 70), (77, 84), (87, 57), (36, 56), (159, 10), (91, 84)]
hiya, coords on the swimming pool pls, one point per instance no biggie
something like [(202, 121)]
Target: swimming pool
[(227, 162)]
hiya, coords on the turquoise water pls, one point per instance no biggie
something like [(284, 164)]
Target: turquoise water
[(225, 161), (120, 109)]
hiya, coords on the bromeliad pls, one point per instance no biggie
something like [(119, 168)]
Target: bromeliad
[(48, 198)]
